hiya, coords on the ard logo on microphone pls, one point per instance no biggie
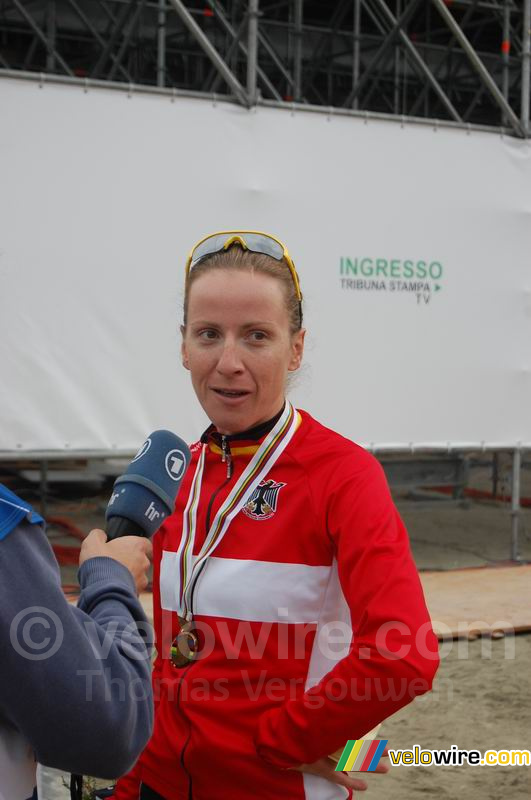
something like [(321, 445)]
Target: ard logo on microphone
[(143, 450), (175, 464)]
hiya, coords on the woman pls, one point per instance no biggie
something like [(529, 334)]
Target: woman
[(284, 541)]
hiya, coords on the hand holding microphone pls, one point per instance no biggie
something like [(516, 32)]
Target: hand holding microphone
[(134, 552), (142, 498)]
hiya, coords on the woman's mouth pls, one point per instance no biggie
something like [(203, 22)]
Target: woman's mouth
[(231, 393)]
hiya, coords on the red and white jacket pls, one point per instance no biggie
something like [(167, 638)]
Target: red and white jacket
[(312, 624)]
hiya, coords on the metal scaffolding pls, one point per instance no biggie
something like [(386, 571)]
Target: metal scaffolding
[(467, 62)]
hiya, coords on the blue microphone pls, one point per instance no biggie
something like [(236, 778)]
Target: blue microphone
[(144, 496)]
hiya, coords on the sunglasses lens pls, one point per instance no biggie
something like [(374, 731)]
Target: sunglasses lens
[(265, 245), (211, 245)]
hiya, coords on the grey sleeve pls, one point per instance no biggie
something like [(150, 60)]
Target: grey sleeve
[(76, 682)]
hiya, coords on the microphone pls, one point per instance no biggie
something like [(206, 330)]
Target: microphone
[(145, 494)]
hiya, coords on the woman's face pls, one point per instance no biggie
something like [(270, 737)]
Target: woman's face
[(238, 347)]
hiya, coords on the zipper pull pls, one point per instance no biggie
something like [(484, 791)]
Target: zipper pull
[(226, 455)]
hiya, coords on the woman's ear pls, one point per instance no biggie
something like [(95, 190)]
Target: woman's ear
[(297, 350), (184, 353)]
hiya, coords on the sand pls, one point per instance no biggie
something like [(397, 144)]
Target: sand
[(481, 700)]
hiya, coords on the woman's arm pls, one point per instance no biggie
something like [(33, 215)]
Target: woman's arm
[(393, 656)]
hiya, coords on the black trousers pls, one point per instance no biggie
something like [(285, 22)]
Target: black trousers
[(149, 794)]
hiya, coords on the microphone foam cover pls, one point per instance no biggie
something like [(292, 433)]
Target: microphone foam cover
[(146, 492)]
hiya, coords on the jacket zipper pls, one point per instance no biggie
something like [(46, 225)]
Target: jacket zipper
[(225, 457), (185, 746)]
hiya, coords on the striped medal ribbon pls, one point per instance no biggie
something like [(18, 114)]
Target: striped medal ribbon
[(185, 645)]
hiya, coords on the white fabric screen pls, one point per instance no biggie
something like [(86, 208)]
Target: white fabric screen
[(102, 194)]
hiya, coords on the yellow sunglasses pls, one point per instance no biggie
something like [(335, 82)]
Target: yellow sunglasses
[(255, 241)]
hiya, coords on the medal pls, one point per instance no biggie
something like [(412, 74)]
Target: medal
[(184, 647)]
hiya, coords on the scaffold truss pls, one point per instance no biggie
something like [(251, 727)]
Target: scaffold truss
[(466, 62)]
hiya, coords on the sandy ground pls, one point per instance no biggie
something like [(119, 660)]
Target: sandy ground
[(482, 695), (481, 700)]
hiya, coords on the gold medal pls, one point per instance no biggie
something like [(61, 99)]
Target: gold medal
[(185, 646)]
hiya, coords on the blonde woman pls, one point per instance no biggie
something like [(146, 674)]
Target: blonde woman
[(288, 611)]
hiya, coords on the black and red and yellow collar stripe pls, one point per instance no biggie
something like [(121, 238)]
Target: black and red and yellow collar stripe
[(243, 443)]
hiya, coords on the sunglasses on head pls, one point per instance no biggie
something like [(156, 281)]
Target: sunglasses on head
[(255, 241)]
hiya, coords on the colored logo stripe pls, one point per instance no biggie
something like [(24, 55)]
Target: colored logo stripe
[(361, 755)]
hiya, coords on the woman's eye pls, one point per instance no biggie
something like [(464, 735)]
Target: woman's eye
[(258, 336)]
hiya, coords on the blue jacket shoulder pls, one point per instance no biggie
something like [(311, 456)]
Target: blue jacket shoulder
[(13, 510)]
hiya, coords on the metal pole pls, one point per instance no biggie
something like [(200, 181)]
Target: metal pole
[(161, 44), (127, 38), (396, 98), (252, 51), (267, 46), (526, 67), (318, 46), (235, 33), (35, 28), (506, 46), (386, 44), (51, 31), (297, 56), (230, 52), (495, 474), (31, 52), (478, 65), (413, 52), (356, 53), (121, 20), (86, 21), (210, 51), (515, 504)]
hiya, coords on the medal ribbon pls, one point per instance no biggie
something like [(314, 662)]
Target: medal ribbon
[(269, 451)]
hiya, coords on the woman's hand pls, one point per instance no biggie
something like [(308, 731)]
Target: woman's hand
[(325, 768)]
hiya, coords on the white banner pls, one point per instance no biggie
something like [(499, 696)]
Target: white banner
[(413, 245)]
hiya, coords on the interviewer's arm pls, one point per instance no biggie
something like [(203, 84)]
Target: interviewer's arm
[(76, 684)]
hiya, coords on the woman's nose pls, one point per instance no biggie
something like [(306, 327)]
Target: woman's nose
[(229, 360)]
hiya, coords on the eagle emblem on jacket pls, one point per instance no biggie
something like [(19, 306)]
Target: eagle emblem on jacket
[(262, 503)]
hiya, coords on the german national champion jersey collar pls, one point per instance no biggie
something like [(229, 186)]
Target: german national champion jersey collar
[(255, 434)]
